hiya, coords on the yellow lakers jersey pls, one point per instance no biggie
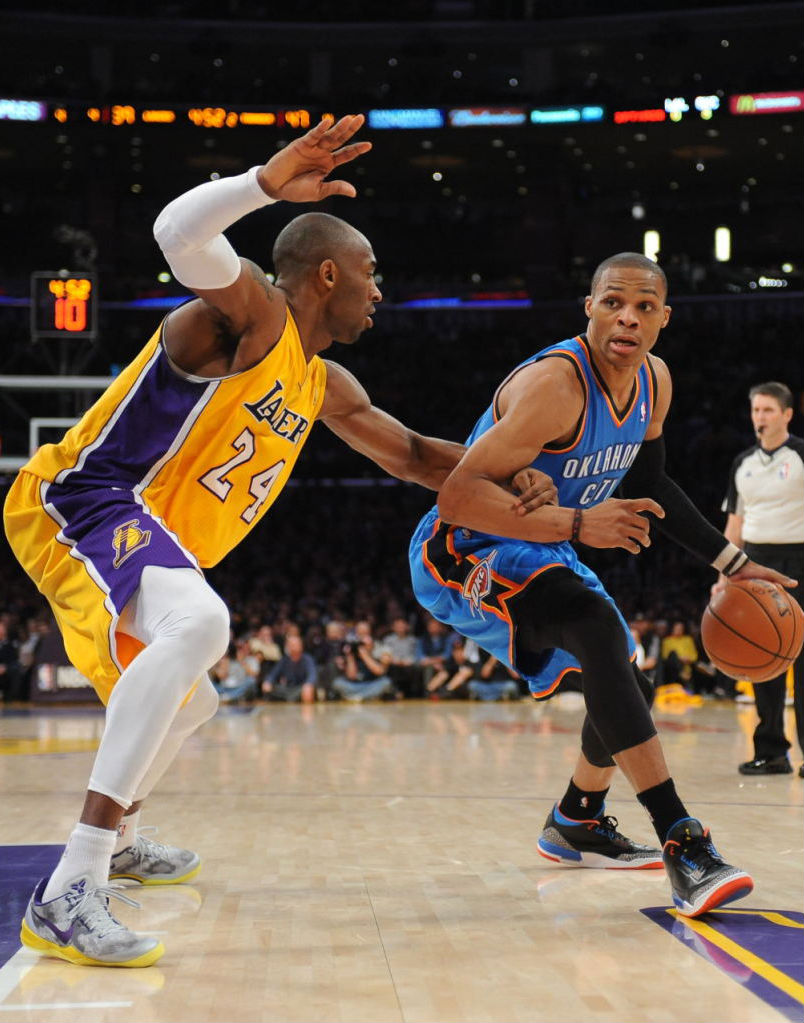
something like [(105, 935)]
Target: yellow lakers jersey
[(206, 456)]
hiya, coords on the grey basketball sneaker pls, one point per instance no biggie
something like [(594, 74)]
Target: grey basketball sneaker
[(700, 878), (594, 843), (79, 927), (150, 862)]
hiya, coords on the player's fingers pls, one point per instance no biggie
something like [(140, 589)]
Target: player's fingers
[(537, 488), (630, 545), (329, 188), (343, 130), (525, 505), (646, 504), (347, 153), (316, 133), (639, 530), (639, 522)]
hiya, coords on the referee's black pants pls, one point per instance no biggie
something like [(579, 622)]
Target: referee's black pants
[(769, 738)]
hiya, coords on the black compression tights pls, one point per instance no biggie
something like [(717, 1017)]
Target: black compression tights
[(558, 610)]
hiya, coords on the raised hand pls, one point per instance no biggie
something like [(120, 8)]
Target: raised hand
[(297, 172), (618, 523)]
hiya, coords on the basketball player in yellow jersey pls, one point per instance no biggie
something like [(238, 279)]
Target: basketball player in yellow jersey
[(171, 467)]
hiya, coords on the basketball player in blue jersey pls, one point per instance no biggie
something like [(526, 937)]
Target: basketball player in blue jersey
[(174, 464), (588, 411)]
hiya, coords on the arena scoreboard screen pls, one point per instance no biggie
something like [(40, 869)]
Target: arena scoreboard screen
[(63, 304)]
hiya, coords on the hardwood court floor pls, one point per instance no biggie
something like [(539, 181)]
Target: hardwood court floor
[(379, 863)]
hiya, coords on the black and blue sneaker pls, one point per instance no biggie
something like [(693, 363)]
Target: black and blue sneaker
[(700, 878), (594, 843)]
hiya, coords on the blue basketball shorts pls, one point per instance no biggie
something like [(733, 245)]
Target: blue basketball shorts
[(467, 579)]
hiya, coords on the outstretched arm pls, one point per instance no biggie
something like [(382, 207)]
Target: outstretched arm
[(348, 412), (410, 456), (237, 296)]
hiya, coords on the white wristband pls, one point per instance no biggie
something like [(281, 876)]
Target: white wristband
[(189, 229), (730, 560)]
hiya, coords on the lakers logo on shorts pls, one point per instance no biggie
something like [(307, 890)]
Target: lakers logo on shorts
[(127, 539), (478, 584)]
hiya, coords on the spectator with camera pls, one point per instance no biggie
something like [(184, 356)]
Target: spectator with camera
[(362, 674)]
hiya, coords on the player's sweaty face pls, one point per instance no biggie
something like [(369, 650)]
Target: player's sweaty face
[(357, 295), (626, 313)]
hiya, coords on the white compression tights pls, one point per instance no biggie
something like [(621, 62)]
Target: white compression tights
[(185, 626)]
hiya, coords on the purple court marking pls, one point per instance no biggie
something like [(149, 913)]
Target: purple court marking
[(777, 946), (21, 866)]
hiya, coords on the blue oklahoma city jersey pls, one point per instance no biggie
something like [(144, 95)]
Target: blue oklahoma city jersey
[(471, 580), (588, 469)]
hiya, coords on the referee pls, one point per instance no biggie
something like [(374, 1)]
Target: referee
[(765, 505)]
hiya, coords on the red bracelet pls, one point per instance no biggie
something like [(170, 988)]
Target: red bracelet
[(576, 524)]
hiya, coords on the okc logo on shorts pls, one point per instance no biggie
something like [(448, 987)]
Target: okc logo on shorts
[(478, 584), (127, 539)]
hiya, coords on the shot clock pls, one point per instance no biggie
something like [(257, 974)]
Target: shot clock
[(63, 304)]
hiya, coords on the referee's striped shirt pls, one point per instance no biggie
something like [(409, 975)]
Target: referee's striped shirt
[(766, 488)]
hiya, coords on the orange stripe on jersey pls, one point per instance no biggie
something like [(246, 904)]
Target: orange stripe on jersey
[(652, 384), (578, 434), (546, 692)]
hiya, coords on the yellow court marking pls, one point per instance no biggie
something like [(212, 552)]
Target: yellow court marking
[(16, 747), (775, 918), (759, 966)]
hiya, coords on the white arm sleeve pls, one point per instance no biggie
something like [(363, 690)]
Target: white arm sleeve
[(188, 230)]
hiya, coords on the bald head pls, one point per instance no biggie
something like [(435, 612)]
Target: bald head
[(629, 259), (308, 240)]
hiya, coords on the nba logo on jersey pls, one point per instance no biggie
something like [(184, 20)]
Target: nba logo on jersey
[(127, 539), (478, 584), (784, 471), (643, 412)]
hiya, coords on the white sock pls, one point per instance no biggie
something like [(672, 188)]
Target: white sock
[(127, 832), (87, 854)]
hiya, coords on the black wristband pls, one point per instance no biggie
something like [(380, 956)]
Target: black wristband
[(576, 523)]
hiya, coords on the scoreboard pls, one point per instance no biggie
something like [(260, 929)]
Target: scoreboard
[(64, 304)]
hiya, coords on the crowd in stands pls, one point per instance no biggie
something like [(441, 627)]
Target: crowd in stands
[(315, 652)]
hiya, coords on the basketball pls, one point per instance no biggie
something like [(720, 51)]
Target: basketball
[(753, 630)]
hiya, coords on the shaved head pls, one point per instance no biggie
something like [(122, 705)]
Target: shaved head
[(629, 259), (308, 240)]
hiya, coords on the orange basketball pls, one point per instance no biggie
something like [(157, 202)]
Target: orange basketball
[(753, 630)]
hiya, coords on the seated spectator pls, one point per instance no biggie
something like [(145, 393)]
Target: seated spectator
[(361, 674), (36, 630), (315, 642), (679, 655), (265, 648), (398, 655), (452, 681), (495, 682), (293, 677), (434, 647), (329, 658), (651, 642), (235, 678)]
